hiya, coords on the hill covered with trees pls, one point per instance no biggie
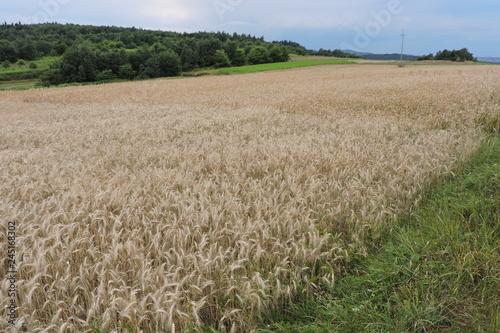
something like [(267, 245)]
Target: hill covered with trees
[(103, 53)]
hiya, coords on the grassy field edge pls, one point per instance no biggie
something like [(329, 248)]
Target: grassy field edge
[(281, 65), (438, 272)]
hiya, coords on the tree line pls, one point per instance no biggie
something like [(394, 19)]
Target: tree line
[(101, 53), (453, 55)]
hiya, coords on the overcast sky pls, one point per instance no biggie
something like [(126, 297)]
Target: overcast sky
[(363, 25)]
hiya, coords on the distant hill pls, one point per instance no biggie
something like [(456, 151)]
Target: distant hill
[(493, 60), (397, 56), (387, 56)]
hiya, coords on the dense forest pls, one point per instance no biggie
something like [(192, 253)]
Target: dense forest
[(103, 53)]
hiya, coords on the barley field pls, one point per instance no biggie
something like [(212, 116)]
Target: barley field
[(169, 205)]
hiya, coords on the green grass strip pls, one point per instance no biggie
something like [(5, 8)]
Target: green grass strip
[(280, 65), (439, 270), (18, 84)]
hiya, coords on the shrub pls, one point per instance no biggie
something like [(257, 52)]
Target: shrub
[(106, 75), (165, 63), (78, 64), (258, 55), (126, 72), (221, 59), (240, 58), (279, 53)]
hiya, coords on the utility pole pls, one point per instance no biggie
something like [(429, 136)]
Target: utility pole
[(402, 44)]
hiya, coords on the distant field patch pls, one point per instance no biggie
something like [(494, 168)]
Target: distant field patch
[(17, 84), (281, 65), (24, 74), (40, 64)]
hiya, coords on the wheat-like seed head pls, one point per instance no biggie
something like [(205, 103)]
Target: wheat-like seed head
[(164, 203)]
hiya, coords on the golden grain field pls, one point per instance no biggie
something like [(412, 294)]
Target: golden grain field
[(166, 205)]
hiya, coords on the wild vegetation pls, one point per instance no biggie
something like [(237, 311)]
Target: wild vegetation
[(215, 202)]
